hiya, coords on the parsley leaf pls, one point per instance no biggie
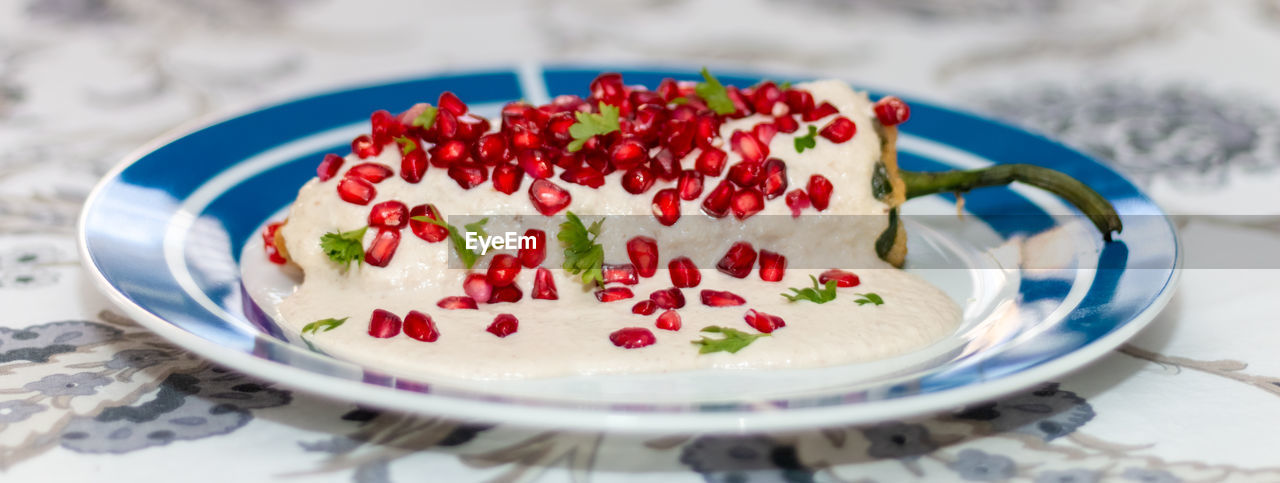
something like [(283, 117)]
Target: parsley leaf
[(714, 93), (680, 101), (869, 298), (467, 256), (406, 145), (807, 141), (734, 340), (581, 252), (323, 325), (344, 247), (427, 118), (817, 294), (784, 85), (590, 124)]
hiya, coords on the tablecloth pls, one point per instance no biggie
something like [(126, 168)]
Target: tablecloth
[(1182, 95)]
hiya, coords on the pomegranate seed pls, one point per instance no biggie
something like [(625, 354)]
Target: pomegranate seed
[(503, 269), (665, 165), (371, 172), (356, 190), (797, 200), (413, 165), (648, 123), (705, 132), (666, 206), (269, 243), (670, 298), (819, 190), (598, 162), (558, 128), (738, 261), (364, 147), (799, 101), (668, 89), (503, 325), (491, 149), (427, 231), (507, 178), (516, 111), (765, 96), (690, 185), (764, 132), (745, 173), (470, 128), (710, 161), (721, 298), (643, 252), (329, 167), (677, 136), (548, 198), (584, 175), (786, 124), (383, 324), (383, 247), (891, 111), (749, 147), (823, 110), (623, 273), (524, 138), (534, 162), (628, 153), (608, 88), (457, 303), (669, 320), (774, 178), (468, 175), (742, 107), (632, 338), (716, 204), (510, 294), (763, 322), (389, 214), (644, 307), (641, 98), (384, 126), (613, 294), (637, 180), (532, 254), (772, 266), (419, 326), (445, 127), (449, 152), (746, 202), (843, 278), (544, 287), (407, 117), (477, 286), (684, 273), (569, 103), (450, 102), (839, 130)]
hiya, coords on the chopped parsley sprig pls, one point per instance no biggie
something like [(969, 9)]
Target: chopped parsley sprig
[(714, 93), (591, 124), (407, 145), (427, 118), (868, 298), (733, 341), (467, 256), (808, 140), (817, 294), (344, 247), (582, 255), (323, 325)]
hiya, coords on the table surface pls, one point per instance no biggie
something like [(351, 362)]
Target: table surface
[(1180, 94)]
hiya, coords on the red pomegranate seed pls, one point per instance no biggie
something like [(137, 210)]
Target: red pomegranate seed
[(843, 278), (666, 206), (749, 147), (413, 165), (623, 273), (548, 198), (738, 261), (684, 273), (384, 126), (637, 180), (457, 303), (640, 98), (643, 252), (503, 325), (891, 111), (773, 182), (823, 110), (690, 185), (477, 286), (389, 214), (468, 175), (764, 132), (746, 202), (525, 138), (445, 127), (772, 266), (669, 320), (568, 103), (786, 124), (665, 165), (507, 178), (329, 167), (450, 102), (710, 161), (269, 243), (742, 107), (721, 298), (356, 190), (745, 173), (819, 191), (632, 338), (613, 294), (598, 162), (503, 269), (765, 97), (628, 153), (677, 136), (491, 149), (608, 88), (449, 152), (383, 247), (364, 147), (383, 324), (669, 298), (516, 111), (558, 128), (509, 294), (644, 307), (424, 230), (648, 123), (799, 101), (419, 326), (797, 200), (668, 89), (705, 131), (763, 322), (533, 248), (544, 287), (584, 175), (371, 172), (839, 130), (534, 162), (716, 204), (470, 128)]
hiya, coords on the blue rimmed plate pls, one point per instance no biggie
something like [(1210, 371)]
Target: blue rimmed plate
[(164, 232)]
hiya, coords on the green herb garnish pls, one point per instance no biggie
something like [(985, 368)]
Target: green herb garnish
[(467, 256), (590, 124), (869, 298), (344, 247), (680, 101), (784, 85), (734, 340), (817, 294), (581, 252), (406, 145), (427, 118), (324, 325), (807, 141), (714, 93)]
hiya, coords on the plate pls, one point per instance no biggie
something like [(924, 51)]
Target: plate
[(169, 236)]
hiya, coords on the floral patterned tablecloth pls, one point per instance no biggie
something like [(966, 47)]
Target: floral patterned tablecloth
[(1181, 94)]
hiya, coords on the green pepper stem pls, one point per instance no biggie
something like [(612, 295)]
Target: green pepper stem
[(1098, 209)]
